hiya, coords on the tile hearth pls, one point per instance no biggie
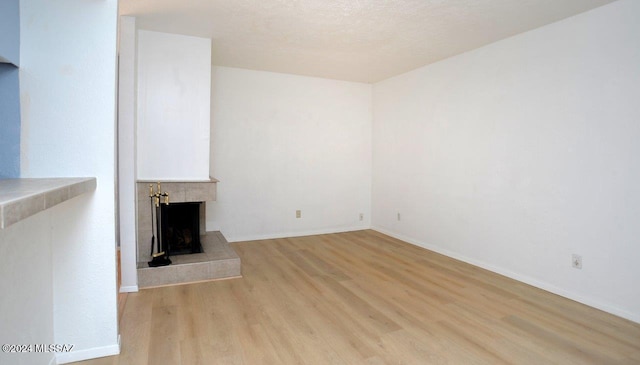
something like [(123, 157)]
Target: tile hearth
[(218, 261)]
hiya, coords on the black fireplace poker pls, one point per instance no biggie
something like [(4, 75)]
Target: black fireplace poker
[(161, 257)]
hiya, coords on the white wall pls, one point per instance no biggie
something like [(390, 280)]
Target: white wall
[(67, 82), (518, 154), (127, 153), (174, 83), (284, 142)]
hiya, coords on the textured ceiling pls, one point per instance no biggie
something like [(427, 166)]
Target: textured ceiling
[(354, 40)]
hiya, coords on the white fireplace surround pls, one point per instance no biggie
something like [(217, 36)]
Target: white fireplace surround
[(179, 192)]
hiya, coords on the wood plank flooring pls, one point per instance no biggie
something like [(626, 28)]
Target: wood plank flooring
[(364, 298)]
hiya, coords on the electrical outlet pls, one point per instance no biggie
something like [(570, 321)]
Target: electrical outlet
[(398, 215), (298, 214), (576, 261), (361, 216)]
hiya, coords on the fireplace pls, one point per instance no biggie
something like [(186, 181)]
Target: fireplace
[(182, 210), (187, 202), (180, 227)]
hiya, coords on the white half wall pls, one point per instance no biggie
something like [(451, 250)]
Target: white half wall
[(283, 143), (519, 154), (68, 87), (174, 87), (26, 267)]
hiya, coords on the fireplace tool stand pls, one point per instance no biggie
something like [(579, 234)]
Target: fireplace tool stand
[(161, 257)]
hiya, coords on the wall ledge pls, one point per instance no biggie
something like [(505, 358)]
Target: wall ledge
[(22, 198)]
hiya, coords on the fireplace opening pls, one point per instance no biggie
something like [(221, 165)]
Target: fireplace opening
[(180, 226)]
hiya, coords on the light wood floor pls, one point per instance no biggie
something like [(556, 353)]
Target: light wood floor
[(365, 298)]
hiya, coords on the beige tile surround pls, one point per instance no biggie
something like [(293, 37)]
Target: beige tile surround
[(179, 192)]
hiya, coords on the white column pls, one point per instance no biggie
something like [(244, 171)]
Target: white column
[(127, 153)]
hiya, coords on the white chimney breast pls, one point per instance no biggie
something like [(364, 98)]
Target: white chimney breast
[(173, 111)]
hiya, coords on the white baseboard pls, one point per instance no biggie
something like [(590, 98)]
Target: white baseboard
[(294, 234), (129, 289), (635, 317), (92, 353)]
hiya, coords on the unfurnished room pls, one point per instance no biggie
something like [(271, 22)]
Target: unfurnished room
[(319, 182)]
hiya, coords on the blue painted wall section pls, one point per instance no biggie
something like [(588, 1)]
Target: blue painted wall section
[(9, 88), (10, 31), (9, 121)]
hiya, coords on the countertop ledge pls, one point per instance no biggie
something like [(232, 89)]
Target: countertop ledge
[(22, 198)]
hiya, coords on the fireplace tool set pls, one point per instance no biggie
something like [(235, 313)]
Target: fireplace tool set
[(161, 257)]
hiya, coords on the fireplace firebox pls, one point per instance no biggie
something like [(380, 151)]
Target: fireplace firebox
[(180, 226), (150, 222)]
